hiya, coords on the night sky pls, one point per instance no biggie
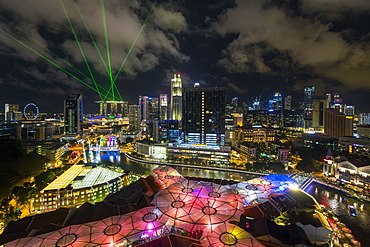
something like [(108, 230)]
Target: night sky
[(250, 47)]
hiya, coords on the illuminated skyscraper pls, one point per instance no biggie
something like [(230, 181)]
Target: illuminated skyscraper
[(278, 101), (163, 107), (134, 117), (338, 102), (10, 110), (149, 109), (318, 113), (143, 104), (153, 108), (113, 108), (328, 100), (203, 115), (349, 110), (288, 102), (73, 114), (309, 96), (176, 97)]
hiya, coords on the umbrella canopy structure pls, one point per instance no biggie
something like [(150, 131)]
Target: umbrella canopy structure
[(147, 223), (71, 236), (249, 192), (258, 189), (112, 230), (194, 205), (166, 176), (168, 180), (226, 235), (284, 182), (163, 171), (30, 241)]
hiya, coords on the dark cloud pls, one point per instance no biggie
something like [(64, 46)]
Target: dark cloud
[(308, 41), (123, 25)]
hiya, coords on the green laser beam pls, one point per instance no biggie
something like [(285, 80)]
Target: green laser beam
[(107, 45), (133, 44), (91, 36), (136, 38), (119, 94), (56, 55), (48, 60), (80, 47), (40, 44)]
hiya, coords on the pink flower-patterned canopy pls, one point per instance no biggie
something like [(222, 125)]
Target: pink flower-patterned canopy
[(166, 176), (193, 205)]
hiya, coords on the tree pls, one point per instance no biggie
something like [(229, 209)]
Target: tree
[(30, 164), (23, 194), (10, 150), (276, 167), (8, 211)]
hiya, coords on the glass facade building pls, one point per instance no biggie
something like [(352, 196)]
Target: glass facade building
[(204, 115), (73, 114)]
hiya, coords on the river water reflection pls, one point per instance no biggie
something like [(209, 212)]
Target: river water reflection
[(142, 168), (339, 205)]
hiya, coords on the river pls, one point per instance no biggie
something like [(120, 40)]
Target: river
[(142, 168), (337, 203)]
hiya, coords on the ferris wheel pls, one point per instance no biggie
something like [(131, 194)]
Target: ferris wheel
[(31, 111)]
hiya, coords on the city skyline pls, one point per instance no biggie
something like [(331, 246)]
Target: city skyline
[(249, 47)]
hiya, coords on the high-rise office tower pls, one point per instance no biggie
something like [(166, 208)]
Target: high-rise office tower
[(153, 108), (134, 117), (337, 102), (234, 103), (163, 107), (176, 97), (149, 108), (143, 104), (73, 114), (318, 113), (288, 102), (349, 110), (203, 115), (10, 110), (364, 119), (337, 124), (328, 100), (233, 117), (278, 101), (309, 96)]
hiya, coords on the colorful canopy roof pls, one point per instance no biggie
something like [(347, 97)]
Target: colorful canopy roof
[(226, 235), (182, 203), (191, 203), (77, 235), (258, 189), (149, 223), (112, 230), (165, 176), (284, 181), (163, 171)]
